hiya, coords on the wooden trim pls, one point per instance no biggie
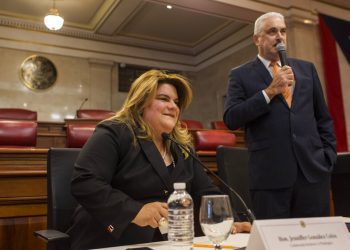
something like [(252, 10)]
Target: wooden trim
[(30, 151), (23, 210)]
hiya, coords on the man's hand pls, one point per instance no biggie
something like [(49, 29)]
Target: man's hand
[(283, 78), (150, 214)]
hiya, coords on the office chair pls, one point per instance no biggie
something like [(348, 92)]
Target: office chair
[(218, 125), (18, 133), (341, 185), (209, 140), (18, 114), (97, 114), (78, 134), (192, 124), (233, 169), (61, 203)]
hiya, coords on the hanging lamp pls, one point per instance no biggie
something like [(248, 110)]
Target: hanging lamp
[(53, 21)]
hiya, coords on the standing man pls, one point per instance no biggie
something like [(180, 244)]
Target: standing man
[(289, 131)]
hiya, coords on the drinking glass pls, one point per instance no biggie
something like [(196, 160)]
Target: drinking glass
[(215, 217)]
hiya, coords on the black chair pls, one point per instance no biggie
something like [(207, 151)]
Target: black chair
[(233, 169), (341, 185), (61, 203)]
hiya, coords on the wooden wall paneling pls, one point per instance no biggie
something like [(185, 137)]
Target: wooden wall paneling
[(17, 233), (51, 134), (23, 198)]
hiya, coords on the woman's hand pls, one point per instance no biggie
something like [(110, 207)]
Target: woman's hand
[(241, 227), (150, 214)]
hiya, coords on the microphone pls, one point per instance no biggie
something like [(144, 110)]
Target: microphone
[(81, 105), (83, 102), (281, 48), (251, 216)]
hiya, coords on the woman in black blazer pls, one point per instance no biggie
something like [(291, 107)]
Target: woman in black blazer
[(125, 172)]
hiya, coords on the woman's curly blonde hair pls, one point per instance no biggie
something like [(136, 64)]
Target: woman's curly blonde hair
[(143, 90)]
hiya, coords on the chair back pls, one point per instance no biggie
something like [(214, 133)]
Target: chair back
[(233, 169), (192, 124), (341, 185), (18, 133), (96, 114), (218, 125), (17, 114), (209, 140), (78, 134), (61, 203)]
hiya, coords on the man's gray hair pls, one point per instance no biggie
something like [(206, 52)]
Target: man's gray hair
[(260, 21)]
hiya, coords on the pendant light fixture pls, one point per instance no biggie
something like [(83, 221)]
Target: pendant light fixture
[(52, 20)]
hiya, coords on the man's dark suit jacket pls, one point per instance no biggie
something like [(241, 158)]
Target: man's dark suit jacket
[(280, 139), (113, 178)]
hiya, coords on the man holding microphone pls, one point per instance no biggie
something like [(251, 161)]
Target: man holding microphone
[(289, 130)]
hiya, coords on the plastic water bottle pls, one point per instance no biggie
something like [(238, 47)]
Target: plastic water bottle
[(180, 218)]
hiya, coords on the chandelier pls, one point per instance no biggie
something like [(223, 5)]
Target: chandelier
[(52, 20)]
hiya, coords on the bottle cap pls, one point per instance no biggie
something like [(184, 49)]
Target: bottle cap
[(179, 185)]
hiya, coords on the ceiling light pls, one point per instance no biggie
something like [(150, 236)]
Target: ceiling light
[(169, 7), (52, 20)]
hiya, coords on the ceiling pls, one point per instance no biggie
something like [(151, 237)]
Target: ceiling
[(190, 28), (147, 24)]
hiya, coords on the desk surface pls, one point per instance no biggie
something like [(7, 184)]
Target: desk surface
[(236, 240)]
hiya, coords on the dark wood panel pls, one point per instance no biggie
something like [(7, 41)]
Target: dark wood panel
[(22, 187), (17, 233), (51, 127), (23, 197), (48, 140), (51, 134), (35, 207), (208, 158)]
